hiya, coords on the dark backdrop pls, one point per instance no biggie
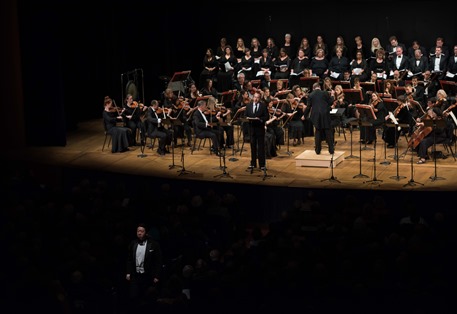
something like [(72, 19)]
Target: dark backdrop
[(73, 53)]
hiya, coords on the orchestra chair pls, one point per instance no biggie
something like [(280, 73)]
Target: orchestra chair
[(107, 138), (448, 142), (200, 140)]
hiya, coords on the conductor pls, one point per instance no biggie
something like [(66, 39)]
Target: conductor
[(319, 104), (257, 114)]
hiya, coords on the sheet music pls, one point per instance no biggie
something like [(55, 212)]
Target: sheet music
[(260, 73), (449, 74), (333, 111), (335, 74), (228, 67), (453, 117), (394, 120), (380, 75), (357, 71)]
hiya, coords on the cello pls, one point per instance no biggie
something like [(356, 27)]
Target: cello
[(420, 132)]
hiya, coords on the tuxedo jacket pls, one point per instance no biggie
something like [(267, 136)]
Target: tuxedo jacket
[(152, 259), (261, 113)]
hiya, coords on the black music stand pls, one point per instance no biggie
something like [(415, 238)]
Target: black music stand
[(285, 127), (178, 81), (361, 175), (351, 126), (435, 124), (369, 87), (344, 84), (449, 87), (337, 114), (332, 177), (353, 96), (366, 113), (374, 180), (385, 161), (396, 157), (227, 97), (307, 82)]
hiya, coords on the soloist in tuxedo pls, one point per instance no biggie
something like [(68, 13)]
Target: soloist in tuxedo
[(257, 113)]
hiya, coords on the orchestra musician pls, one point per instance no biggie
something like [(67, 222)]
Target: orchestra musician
[(401, 114), (239, 108), (133, 117), (276, 115), (429, 134), (302, 97), (121, 137), (183, 128), (295, 110), (368, 133), (202, 126), (154, 116)]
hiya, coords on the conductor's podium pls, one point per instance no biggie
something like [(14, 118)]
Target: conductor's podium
[(309, 158)]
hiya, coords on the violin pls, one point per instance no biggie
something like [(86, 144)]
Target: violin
[(161, 110)]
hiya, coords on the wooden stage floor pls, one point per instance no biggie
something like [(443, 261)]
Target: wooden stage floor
[(84, 150)]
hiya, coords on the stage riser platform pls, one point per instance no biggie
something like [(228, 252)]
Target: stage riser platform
[(309, 158)]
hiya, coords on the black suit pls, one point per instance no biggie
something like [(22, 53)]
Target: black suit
[(257, 132), (319, 103), (157, 130), (142, 280), (202, 130)]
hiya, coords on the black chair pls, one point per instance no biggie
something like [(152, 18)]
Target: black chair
[(107, 137)]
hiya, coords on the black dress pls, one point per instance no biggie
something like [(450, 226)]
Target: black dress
[(121, 137)]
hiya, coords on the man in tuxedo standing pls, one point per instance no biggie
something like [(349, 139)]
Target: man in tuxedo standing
[(319, 103), (257, 114)]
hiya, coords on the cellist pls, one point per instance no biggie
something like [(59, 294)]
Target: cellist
[(432, 134)]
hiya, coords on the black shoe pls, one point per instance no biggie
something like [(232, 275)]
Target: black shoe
[(318, 152), (331, 152)]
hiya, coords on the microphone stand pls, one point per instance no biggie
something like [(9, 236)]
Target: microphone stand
[(224, 173), (183, 170), (332, 178), (143, 144), (172, 150)]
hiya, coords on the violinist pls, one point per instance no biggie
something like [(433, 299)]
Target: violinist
[(302, 98), (273, 126), (170, 100), (202, 126), (132, 114), (240, 111), (433, 134), (401, 114), (369, 133), (340, 102), (156, 129), (440, 100), (183, 128), (223, 116), (293, 108), (121, 137), (414, 106)]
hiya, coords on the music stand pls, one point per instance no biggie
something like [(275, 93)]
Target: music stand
[(399, 90), (337, 114), (351, 126), (227, 97), (435, 124), (361, 175), (369, 87), (285, 126), (374, 180), (183, 170), (366, 111), (353, 96), (178, 81), (307, 82), (344, 84), (449, 87)]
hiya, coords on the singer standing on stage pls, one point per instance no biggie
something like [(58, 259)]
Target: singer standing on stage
[(319, 103), (257, 114)]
